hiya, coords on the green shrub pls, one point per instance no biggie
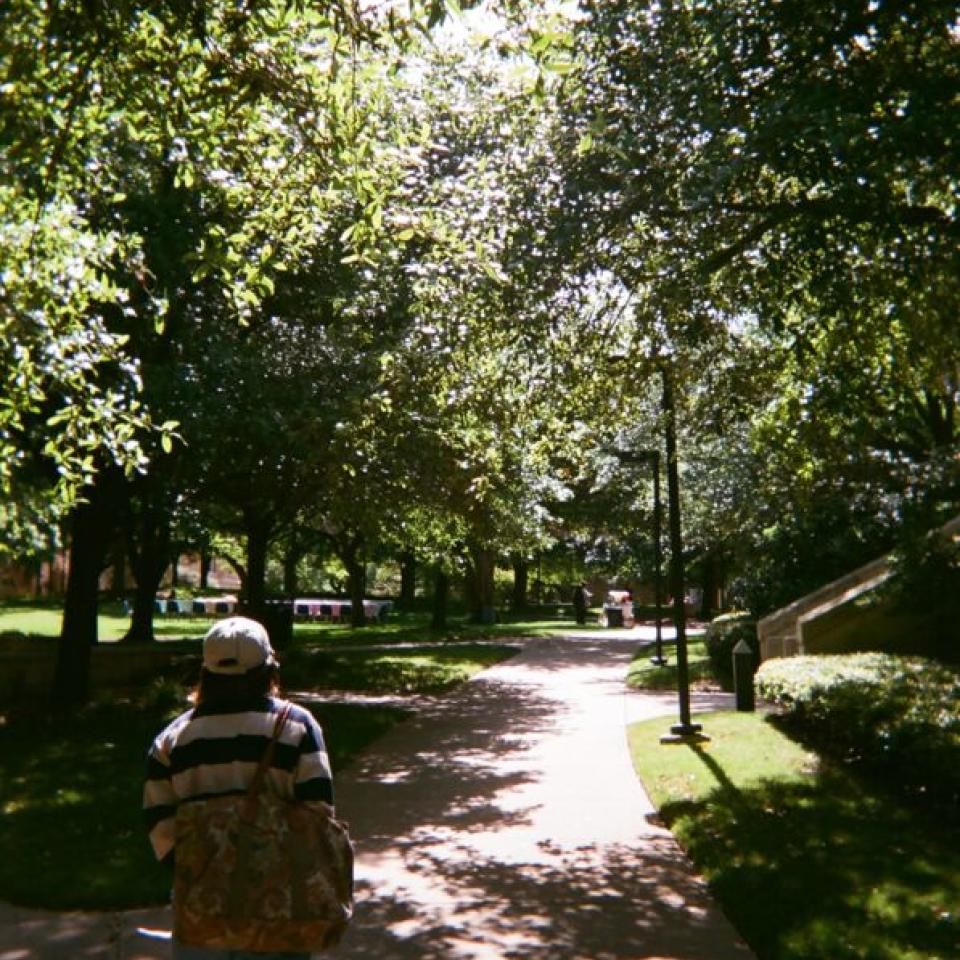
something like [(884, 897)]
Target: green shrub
[(723, 634), (898, 715)]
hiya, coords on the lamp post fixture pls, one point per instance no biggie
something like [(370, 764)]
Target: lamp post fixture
[(653, 457), (658, 658), (685, 730)]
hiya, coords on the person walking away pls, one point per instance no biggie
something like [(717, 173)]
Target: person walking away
[(215, 748)]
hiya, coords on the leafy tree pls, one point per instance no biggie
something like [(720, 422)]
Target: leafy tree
[(238, 124), (791, 168)]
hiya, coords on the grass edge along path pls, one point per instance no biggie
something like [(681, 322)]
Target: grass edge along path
[(805, 861)]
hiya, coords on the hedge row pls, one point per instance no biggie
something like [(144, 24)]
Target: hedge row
[(900, 716)]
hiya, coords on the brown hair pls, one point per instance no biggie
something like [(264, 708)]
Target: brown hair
[(227, 690)]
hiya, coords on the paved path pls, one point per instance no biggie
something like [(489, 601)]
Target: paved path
[(503, 821)]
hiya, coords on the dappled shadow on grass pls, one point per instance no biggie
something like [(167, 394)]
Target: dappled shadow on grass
[(915, 760), (328, 634), (825, 870), (71, 831), (411, 670), (70, 796), (399, 627), (348, 727)]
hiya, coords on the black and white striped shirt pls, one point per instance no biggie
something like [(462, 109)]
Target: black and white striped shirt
[(208, 752)]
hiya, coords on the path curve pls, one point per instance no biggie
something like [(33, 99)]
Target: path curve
[(505, 821)]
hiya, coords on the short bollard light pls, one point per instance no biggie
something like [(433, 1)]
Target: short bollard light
[(743, 676)]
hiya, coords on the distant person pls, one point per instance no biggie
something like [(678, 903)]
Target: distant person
[(214, 748), (580, 603)]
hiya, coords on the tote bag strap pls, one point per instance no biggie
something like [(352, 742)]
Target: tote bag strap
[(266, 761)]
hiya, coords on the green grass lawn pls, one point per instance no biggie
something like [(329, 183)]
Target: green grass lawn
[(71, 830), (647, 676), (43, 620), (112, 624), (807, 862)]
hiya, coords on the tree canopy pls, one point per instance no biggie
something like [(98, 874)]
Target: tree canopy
[(404, 274)]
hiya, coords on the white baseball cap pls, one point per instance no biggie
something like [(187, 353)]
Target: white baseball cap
[(235, 645)]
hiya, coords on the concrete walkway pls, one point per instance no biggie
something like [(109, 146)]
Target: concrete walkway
[(502, 821)]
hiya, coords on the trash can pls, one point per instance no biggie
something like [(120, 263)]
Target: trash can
[(614, 616)]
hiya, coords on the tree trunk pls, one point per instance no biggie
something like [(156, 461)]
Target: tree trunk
[(521, 576), (358, 590), (141, 619), (238, 568), (408, 580), (291, 559), (710, 583), (90, 532), (484, 563), (149, 557), (205, 563), (441, 594), (258, 540), (352, 557), (471, 598)]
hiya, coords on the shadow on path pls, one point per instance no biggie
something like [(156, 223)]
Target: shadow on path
[(594, 903), (506, 821)]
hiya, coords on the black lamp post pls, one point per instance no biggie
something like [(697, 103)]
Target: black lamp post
[(684, 730), (653, 457), (658, 658)]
